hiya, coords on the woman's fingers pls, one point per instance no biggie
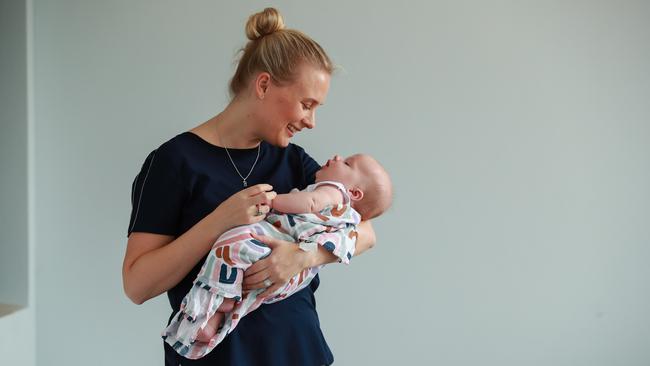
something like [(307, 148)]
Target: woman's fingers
[(242, 207), (264, 284), (263, 210), (270, 290), (254, 277), (270, 241), (261, 280), (257, 189), (263, 198), (255, 268), (255, 286), (258, 275), (260, 199), (258, 212), (275, 270)]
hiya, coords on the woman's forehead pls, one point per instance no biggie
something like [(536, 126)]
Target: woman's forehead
[(312, 83)]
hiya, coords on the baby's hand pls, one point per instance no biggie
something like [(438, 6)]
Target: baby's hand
[(294, 190)]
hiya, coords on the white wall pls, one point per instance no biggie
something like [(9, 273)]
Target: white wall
[(17, 329), (517, 134)]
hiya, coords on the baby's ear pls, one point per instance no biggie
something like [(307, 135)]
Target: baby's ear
[(355, 194)]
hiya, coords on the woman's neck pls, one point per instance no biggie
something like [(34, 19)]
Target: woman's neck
[(234, 127)]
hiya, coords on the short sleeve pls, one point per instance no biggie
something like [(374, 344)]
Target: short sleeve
[(157, 195)]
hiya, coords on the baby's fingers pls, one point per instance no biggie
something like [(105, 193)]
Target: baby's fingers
[(264, 198)]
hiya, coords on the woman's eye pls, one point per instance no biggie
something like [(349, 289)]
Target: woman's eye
[(346, 163), (306, 107)]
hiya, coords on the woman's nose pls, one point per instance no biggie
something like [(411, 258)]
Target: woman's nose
[(336, 158), (310, 121)]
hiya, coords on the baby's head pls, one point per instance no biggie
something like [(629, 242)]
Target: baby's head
[(368, 184)]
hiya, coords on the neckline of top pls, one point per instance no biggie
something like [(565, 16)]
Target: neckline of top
[(221, 148)]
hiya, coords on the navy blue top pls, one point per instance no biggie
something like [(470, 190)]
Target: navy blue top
[(184, 180)]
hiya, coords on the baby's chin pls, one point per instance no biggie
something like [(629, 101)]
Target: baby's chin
[(320, 176)]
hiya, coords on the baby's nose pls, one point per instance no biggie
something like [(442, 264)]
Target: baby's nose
[(337, 158)]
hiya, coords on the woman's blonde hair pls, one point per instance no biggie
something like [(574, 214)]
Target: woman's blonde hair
[(274, 49)]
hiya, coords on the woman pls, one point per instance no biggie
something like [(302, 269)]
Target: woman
[(224, 173)]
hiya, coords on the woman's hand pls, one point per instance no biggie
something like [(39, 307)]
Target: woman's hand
[(366, 238), (247, 206), (285, 261)]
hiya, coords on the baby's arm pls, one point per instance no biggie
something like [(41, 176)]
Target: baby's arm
[(303, 202)]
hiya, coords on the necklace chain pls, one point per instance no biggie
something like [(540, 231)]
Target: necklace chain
[(243, 179)]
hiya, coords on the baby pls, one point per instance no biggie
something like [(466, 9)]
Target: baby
[(325, 213)]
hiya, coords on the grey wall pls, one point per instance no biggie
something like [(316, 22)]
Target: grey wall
[(13, 153), (517, 134), (17, 282)]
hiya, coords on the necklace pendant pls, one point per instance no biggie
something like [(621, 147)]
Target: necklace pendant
[(243, 179)]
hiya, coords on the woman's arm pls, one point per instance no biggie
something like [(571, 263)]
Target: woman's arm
[(155, 263), (365, 240)]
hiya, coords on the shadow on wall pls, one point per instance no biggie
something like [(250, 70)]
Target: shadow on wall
[(13, 157)]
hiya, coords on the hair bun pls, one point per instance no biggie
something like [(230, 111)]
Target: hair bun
[(263, 23)]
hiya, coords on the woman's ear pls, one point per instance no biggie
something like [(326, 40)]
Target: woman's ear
[(262, 83), (355, 194)]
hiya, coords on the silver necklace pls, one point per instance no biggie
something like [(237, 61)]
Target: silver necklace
[(243, 179)]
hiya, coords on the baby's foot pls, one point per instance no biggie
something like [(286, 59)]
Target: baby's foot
[(206, 333), (210, 329)]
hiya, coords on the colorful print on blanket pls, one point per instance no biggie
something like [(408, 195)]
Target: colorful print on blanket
[(222, 273)]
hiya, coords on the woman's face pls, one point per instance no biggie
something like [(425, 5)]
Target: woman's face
[(288, 108)]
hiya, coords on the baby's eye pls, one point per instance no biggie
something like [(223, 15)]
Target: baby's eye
[(346, 163)]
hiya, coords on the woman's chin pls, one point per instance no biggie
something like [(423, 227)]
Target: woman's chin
[(282, 141)]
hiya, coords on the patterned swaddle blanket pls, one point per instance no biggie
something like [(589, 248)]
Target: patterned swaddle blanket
[(222, 273)]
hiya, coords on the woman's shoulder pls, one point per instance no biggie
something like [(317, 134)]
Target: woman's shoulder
[(170, 153), (177, 143), (174, 147)]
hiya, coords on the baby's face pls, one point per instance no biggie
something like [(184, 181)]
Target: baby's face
[(349, 171)]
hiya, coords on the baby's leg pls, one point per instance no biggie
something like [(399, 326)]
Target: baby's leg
[(206, 333)]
